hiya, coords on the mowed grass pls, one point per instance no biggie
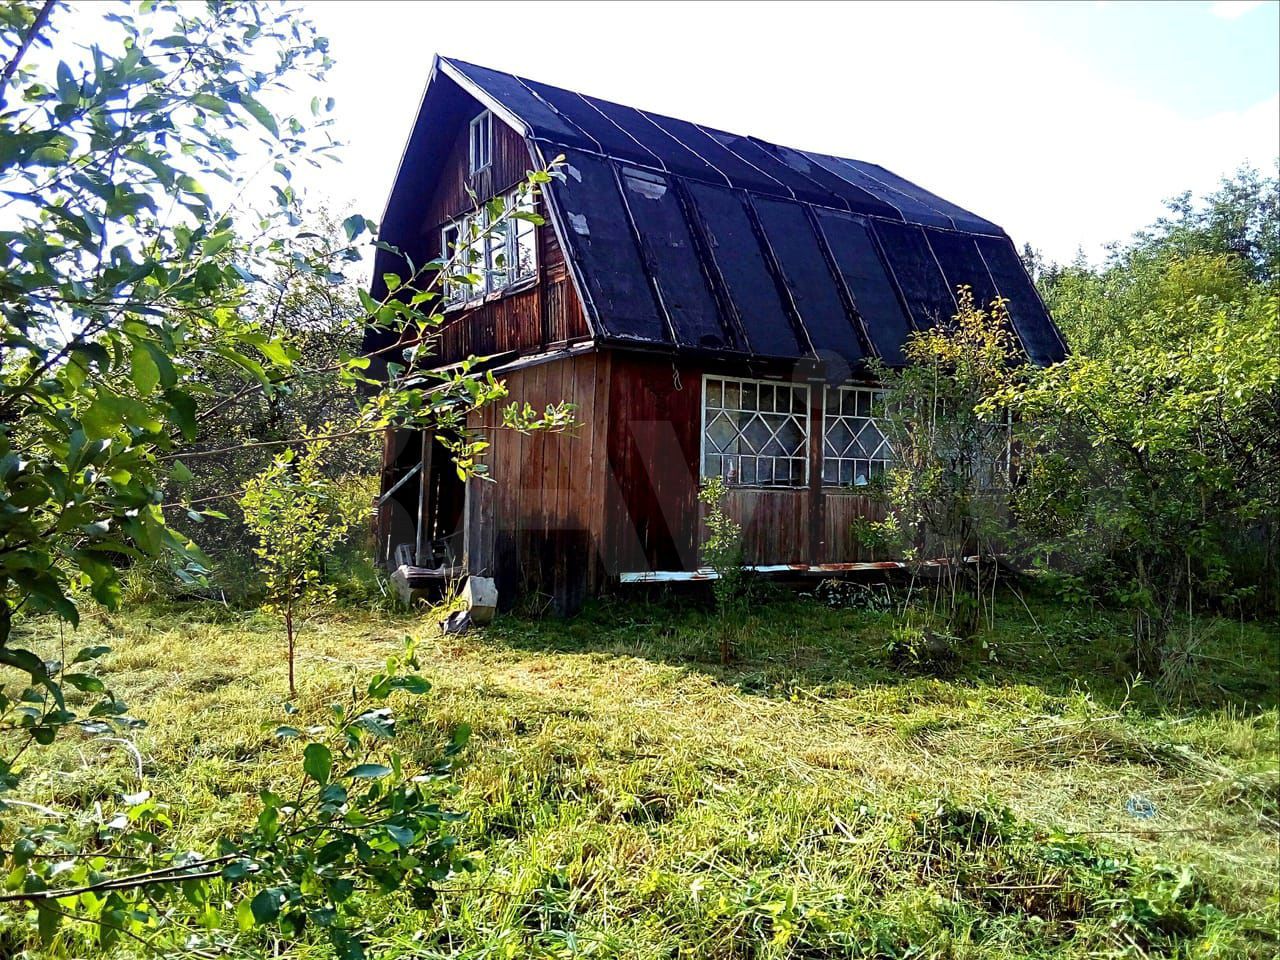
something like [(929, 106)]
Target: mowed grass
[(627, 796)]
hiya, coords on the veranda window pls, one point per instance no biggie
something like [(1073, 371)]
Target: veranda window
[(855, 450), (755, 432)]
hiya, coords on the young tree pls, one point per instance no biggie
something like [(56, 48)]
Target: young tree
[(946, 489), (722, 551), (297, 514)]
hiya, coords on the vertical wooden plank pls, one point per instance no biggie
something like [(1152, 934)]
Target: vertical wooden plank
[(816, 527), (599, 475), (425, 479)]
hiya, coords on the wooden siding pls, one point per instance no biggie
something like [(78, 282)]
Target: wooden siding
[(563, 513), (653, 519), (652, 513), (843, 510), (537, 524), (542, 311)]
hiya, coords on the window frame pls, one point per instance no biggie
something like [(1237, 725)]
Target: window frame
[(876, 395), (458, 295), (804, 419), (483, 119), (454, 293)]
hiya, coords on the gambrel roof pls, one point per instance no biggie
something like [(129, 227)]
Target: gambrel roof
[(683, 237)]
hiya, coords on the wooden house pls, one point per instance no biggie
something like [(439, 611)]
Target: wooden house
[(707, 301)]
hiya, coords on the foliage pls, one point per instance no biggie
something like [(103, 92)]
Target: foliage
[(916, 647), (1181, 256), (135, 259), (298, 515), (360, 818), (722, 551), (308, 299), (946, 486), (847, 594), (1153, 465)]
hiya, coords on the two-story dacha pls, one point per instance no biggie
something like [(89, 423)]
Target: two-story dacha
[(707, 301)]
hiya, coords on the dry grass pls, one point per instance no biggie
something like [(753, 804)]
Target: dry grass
[(627, 797)]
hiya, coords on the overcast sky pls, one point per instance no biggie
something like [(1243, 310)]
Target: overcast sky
[(1068, 124)]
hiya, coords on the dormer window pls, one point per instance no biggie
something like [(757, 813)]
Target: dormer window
[(481, 142)]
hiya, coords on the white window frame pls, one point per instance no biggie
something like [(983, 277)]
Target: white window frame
[(480, 142), (456, 294), (452, 293), (803, 419), (882, 454)]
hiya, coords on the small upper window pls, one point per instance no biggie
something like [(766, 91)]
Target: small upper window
[(481, 141)]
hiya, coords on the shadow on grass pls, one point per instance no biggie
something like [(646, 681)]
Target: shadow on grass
[(790, 642)]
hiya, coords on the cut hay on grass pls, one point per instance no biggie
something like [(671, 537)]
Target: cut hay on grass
[(627, 796)]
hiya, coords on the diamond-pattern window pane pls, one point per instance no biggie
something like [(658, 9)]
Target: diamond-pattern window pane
[(755, 432), (855, 451)]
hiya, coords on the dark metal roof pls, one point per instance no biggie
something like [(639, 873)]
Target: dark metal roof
[(686, 237)]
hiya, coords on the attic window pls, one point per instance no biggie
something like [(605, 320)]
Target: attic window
[(481, 142), (490, 249)]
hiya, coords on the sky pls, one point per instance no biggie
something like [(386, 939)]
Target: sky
[(1068, 124)]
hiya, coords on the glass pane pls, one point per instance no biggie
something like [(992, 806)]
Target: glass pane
[(749, 396), (711, 466), (732, 395), (748, 470), (863, 408), (830, 471), (840, 437), (846, 473), (766, 398), (715, 393), (722, 433), (756, 434), (791, 434)]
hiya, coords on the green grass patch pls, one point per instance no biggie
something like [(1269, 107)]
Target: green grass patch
[(629, 796)]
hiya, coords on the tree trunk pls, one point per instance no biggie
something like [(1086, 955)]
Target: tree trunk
[(288, 629)]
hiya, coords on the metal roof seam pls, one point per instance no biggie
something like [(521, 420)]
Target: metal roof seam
[(933, 253), (550, 106), (775, 265), (851, 302), (1022, 344), (766, 146), (715, 278), (608, 119), (857, 165), (893, 279), (642, 248), (818, 158), (574, 268), (668, 133), (763, 173)]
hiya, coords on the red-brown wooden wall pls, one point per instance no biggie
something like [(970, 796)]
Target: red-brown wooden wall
[(563, 513)]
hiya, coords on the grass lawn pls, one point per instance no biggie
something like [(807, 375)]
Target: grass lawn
[(627, 796)]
